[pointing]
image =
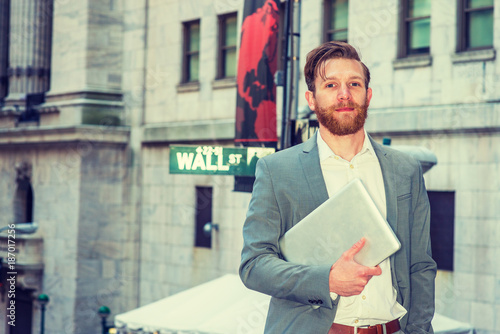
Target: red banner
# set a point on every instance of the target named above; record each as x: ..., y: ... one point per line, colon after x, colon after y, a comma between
x: 257, y: 64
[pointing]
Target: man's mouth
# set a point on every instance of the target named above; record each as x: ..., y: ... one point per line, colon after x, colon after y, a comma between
x: 344, y: 109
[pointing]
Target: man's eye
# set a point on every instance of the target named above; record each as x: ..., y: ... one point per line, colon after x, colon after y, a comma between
x: 330, y: 85
x: 356, y: 84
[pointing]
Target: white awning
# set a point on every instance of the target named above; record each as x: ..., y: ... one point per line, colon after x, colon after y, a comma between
x: 422, y: 154
x: 222, y: 306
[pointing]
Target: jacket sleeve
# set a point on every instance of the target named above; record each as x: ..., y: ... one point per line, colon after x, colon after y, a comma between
x: 262, y: 267
x: 422, y: 266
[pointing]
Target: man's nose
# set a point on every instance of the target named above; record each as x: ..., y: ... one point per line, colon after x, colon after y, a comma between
x: 344, y: 94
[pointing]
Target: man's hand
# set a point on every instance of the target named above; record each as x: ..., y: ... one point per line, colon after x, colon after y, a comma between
x: 347, y: 277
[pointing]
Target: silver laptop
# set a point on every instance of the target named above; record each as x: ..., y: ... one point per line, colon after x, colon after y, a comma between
x: 338, y: 223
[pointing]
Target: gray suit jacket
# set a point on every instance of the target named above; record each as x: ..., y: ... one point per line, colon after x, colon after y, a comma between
x: 289, y: 185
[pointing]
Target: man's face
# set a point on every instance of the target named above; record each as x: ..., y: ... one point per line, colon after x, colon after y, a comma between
x: 341, y: 99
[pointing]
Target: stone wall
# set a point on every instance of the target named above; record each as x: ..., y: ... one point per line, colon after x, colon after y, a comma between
x: 55, y: 182
x: 169, y: 260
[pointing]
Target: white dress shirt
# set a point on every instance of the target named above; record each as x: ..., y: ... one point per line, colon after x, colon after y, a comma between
x: 377, y: 303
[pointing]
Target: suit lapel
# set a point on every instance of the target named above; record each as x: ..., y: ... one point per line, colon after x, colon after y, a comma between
x: 309, y: 158
x: 388, y: 175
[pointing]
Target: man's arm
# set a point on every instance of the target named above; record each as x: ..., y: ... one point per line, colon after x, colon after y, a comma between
x: 262, y: 267
x: 422, y: 266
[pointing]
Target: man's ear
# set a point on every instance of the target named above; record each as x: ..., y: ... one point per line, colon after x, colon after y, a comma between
x: 368, y: 96
x: 311, y: 101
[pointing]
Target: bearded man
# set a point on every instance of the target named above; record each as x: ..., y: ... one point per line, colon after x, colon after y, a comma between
x: 393, y: 297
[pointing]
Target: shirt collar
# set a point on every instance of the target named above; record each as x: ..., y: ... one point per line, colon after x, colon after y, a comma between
x: 325, y: 151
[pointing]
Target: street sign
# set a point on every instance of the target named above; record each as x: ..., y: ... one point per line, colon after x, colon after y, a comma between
x: 216, y: 160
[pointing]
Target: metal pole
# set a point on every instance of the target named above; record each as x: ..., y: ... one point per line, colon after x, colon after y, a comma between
x: 42, y: 319
x: 296, y: 56
x: 284, y: 112
x: 291, y: 74
x: 103, y: 323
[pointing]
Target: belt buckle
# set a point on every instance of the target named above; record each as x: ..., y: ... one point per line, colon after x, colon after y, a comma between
x: 381, y: 328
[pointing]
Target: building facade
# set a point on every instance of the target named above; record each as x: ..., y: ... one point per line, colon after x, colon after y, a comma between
x: 94, y: 93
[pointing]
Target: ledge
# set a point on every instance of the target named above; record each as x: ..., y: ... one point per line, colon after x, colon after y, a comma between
x: 412, y: 62
x: 64, y: 135
x: 9, y: 111
x: 189, y: 131
x: 437, y: 119
x: 224, y: 83
x: 471, y: 56
x: 188, y: 87
x: 50, y: 106
x: 86, y: 93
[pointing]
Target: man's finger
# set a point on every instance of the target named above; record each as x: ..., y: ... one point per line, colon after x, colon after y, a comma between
x: 373, y: 271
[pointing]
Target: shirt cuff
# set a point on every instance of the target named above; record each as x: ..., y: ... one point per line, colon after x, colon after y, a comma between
x: 333, y: 296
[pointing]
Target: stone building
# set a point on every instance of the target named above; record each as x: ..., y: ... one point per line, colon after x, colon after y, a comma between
x: 94, y: 92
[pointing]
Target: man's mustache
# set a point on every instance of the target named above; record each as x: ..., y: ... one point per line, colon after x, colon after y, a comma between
x: 348, y: 104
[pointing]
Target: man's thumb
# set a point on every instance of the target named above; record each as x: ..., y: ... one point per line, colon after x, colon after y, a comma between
x: 356, y: 247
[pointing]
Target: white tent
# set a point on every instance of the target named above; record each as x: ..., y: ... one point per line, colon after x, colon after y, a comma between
x: 444, y: 325
x: 222, y: 306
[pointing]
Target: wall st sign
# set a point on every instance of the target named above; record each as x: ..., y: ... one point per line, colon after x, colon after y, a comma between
x: 216, y: 160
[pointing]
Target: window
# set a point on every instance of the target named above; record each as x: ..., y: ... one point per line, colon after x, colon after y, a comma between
x: 442, y: 227
x: 228, y: 35
x: 203, y: 216
x: 336, y: 19
x: 191, y: 52
x: 23, y: 203
x: 415, y: 32
x: 475, y: 25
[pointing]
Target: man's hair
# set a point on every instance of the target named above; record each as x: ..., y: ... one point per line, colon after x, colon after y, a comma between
x: 316, y: 59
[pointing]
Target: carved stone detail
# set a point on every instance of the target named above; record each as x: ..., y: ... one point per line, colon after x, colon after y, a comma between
x: 24, y: 172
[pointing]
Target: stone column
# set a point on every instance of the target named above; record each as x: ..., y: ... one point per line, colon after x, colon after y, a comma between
x: 29, y: 49
x: 4, y: 46
x: 40, y: 82
x: 86, y: 72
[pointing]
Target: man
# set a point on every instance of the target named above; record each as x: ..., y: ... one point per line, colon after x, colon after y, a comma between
x: 398, y: 294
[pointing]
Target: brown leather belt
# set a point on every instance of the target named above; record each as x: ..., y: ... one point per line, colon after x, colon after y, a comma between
x: 390, y: 327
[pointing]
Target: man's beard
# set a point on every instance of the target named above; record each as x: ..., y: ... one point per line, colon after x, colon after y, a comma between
x: 343, y: 123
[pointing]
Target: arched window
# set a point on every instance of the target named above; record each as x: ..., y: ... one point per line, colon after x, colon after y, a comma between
x: 23, y: 203
x: 23, y: 198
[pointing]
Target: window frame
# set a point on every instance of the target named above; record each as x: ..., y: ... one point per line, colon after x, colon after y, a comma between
x: 222, y: 47
x: 463, y: 26
x: 327, y: 29
x: 186, y: 53
x: 403, y: 38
